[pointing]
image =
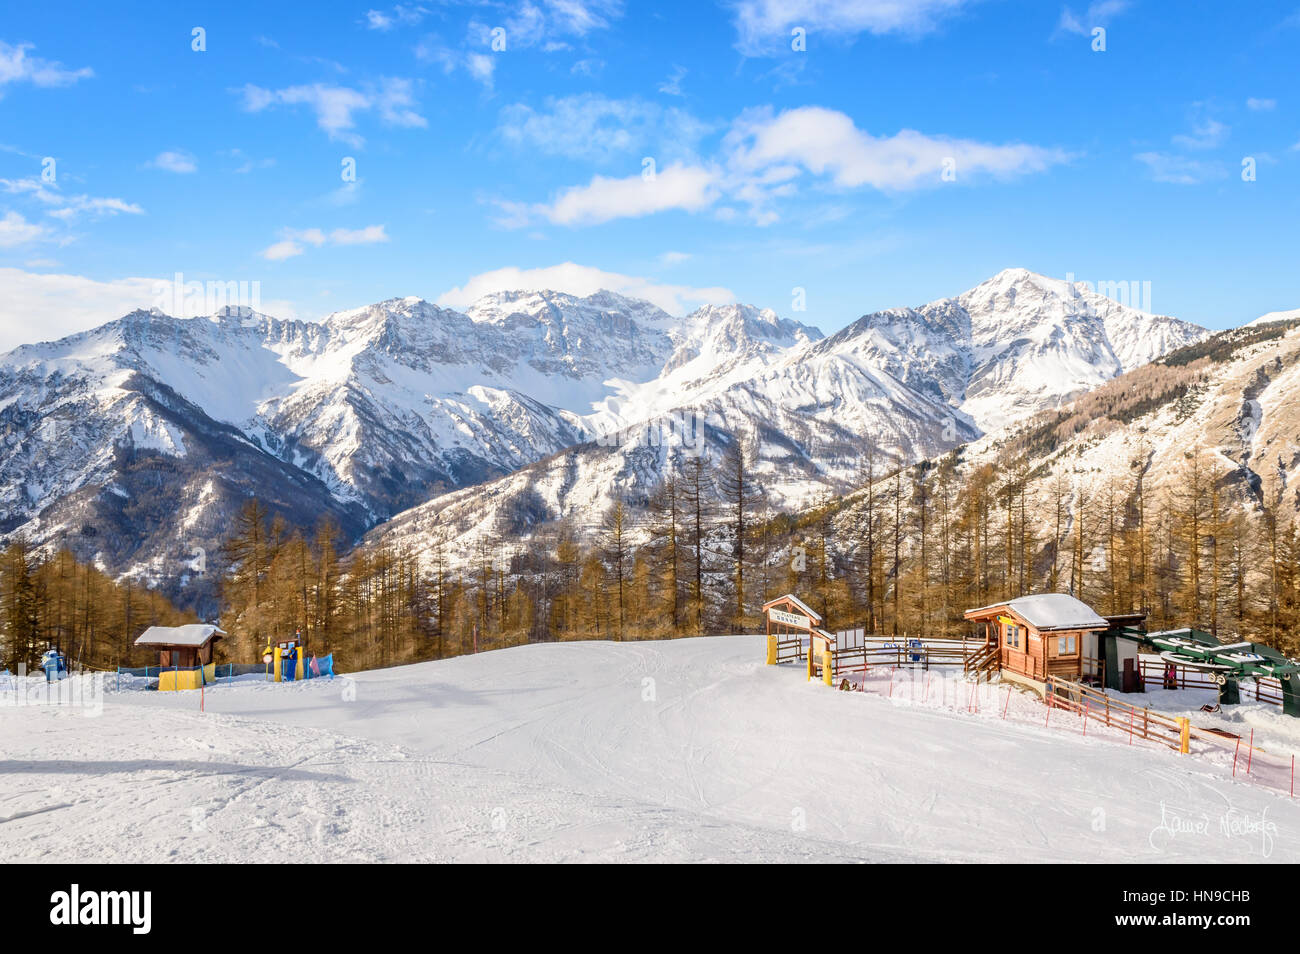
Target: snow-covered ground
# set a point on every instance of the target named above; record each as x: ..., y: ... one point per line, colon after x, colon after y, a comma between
x: 689, y: 750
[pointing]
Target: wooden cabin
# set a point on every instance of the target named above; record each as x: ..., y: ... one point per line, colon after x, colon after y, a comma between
x: 182, y: 647
x: 1040, y: 635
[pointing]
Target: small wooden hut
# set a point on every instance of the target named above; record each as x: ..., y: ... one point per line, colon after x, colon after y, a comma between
x: 1039, y: 635
x: 182, y: 647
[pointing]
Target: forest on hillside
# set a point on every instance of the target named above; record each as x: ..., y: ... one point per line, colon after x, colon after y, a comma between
x: 904, y: 554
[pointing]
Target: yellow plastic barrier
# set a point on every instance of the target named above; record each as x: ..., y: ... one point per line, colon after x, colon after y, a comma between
x: 771, y: 649
x: 171, y: 680
x: 1184, y: 735
x: 828, y: 667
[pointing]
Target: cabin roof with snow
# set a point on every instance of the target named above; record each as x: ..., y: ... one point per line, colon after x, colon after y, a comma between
x: 1045, y: 612
x: 190, y: 636
x: 803, y: 607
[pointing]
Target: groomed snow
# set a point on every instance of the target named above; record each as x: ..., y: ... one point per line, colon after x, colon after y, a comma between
x: 689, y: 750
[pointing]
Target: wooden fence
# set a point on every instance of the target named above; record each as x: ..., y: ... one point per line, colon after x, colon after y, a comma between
x: 1138, y: 721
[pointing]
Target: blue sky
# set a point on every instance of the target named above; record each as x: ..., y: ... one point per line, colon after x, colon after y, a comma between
x: 682, y: 152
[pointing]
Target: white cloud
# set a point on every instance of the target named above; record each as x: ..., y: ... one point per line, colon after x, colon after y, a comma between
x: 1206, y: 134
x: 399, y: 15
x: 825, y: 141
x: 1261, y: 105
x: 584, y: 280
x: 674, y: 258
x: 65, y: 304
x: 67, y: 207
x: 544, y: 22
x: 672, y: 86
x: 595, y: 128
x: 174, y: 161
x: 480, y: 66
x: 46, y: 307
x: 17, y: 67
x: 1179, y: 170
x: 1098, y: 14
x: 366, y: 236
x: 763, y: 158
x: 282, y: 250
x: 763, y: 26
x: 335, y: 106
x: 292, y: 240
x: 16, y: 230
x: 689, y: 188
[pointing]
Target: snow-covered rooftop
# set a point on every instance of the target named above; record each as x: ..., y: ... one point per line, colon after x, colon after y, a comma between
x: 1045, y: 611
x: 193, y: 634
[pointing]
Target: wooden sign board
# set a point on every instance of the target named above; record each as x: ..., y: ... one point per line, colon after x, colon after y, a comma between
x: 789, y: 619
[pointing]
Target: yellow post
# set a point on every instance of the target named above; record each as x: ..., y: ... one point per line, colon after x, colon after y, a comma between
x: 771, y: 649
x: 301, y: 673
x: 1185, y: 735
x: 276, y: 663
x: 810, y: 662
x: 828, y: 667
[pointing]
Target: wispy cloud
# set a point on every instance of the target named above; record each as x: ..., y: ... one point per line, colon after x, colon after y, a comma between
x: 391, y: 98
x: 763, y: 26
x: 16, y: 66
x: 1180, y: 170
x: 1097, y: 14
x: 399, y: 15
x: 1206, y: 133
x: 595, y: 128
x: 16, y: 230
x: 174, y: 161
x: 67, y: 206
x: 672, y: 86
x: 1261, y: 105
x: 293, y: 242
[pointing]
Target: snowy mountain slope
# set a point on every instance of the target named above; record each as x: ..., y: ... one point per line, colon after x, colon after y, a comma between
x: 135, y: 477
x: 904, y: 384
x: 1033, y: 342
x: 680, y: 750
x: 1275, y: 316
x: 564, y: 402
x: 374, y: 410
x: 1233, y: 399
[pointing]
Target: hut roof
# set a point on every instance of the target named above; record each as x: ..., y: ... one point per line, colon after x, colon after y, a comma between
x: 191, y: 635
x: 1048, y: 611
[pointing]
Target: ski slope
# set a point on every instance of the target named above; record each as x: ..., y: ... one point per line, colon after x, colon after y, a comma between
x: 687, y: 750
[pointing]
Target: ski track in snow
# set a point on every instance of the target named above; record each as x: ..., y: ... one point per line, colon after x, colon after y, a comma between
x: 565, y: 752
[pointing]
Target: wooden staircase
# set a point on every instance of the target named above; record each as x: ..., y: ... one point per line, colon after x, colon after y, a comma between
x: 982, y: 663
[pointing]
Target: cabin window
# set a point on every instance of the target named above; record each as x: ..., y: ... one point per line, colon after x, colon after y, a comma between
x: 1013, y: 636
x: 1066, y: 645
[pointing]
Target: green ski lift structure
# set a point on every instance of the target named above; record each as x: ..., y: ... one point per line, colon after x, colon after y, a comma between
x: 1225, y: 663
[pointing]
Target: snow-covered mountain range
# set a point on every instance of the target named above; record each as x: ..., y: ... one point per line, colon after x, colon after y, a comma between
x: 896, y: 386
x: 134, y: 443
